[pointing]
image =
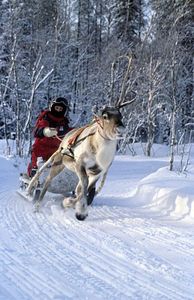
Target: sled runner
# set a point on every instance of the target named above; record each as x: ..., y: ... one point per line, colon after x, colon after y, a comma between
x: 22, y: 191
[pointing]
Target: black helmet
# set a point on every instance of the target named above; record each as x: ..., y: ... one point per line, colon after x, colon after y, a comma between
x: 60, y: 101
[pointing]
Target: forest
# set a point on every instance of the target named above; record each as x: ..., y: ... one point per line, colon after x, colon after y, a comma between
x: 95, y: 53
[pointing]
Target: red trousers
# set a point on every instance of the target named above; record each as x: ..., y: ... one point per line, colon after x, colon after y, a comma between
x: 37, y: 151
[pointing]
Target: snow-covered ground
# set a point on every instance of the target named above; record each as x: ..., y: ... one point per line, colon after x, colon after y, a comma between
x: 137, y: 242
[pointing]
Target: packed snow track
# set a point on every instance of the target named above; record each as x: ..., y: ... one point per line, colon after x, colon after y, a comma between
x: 121, y: 251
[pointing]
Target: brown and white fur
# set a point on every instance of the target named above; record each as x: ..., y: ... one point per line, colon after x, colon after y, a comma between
x: 90, y: 157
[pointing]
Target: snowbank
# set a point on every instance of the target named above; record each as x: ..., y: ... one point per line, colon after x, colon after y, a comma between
x: 168, y: 193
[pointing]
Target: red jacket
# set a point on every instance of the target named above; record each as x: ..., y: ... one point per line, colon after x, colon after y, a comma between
x: 46, y: 146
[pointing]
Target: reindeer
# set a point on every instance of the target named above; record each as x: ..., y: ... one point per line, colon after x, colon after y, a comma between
x: 88, y: 152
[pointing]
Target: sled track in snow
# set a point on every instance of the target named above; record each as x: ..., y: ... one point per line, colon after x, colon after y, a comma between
x: 54, y: 256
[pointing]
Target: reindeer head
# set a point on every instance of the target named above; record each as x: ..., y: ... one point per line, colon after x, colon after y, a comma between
x: 110, y: 121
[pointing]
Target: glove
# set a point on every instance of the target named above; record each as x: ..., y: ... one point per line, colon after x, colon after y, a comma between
x: 49, y: 132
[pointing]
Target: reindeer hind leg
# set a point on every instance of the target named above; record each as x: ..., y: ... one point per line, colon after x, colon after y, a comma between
x: 55, y: 170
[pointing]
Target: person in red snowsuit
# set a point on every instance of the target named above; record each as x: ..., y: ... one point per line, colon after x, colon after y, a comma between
x: 51, y: 123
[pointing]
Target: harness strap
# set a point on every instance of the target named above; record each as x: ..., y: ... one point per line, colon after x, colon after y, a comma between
x: 73, y: 140
x: 69, y: 148
x: 67, y: 152
x: 98, y: 122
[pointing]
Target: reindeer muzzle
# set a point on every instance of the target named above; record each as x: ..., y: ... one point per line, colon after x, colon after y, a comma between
x: 121, y: 130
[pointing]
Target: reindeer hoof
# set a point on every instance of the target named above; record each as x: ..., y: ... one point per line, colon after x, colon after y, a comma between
x: 81, y: 217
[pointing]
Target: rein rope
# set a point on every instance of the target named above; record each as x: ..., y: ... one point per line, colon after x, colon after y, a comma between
x: 73, y: 139
x: 58, y: 138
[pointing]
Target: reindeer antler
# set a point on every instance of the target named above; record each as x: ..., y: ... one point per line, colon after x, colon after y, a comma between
x: 123, y: 90
x: 120, y: 102
x: 125, y: 103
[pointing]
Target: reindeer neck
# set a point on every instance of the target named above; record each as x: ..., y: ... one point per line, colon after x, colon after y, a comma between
x: 106, y: 149
x: 102, y: 140
x: 101, y: 133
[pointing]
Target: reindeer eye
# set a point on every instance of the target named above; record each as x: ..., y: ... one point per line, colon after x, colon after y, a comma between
x: 105, y: 116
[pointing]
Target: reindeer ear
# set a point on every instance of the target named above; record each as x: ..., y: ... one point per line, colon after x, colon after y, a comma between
x: 94, y: 109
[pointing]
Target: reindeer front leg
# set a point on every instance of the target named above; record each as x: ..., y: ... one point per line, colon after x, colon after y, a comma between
x: 81, y: 192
